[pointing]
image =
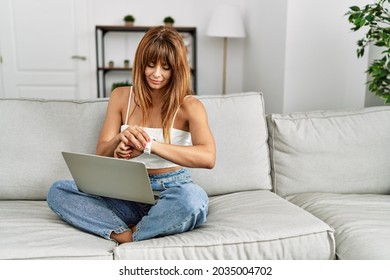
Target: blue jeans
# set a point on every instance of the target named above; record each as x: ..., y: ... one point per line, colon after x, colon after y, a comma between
x: 182, y: 206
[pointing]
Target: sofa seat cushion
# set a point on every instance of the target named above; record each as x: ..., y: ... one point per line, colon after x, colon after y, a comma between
x: 30, y: 230
x: 361, y: 222
x: 244, y: 225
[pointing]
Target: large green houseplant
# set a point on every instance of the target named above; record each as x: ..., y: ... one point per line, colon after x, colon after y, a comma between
x: 376, y: 19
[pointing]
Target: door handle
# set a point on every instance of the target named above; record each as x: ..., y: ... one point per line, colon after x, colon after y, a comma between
x: 79, y: 57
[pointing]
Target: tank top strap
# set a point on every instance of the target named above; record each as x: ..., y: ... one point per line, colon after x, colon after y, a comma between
x: 128, y: 105
x: 174, y: 116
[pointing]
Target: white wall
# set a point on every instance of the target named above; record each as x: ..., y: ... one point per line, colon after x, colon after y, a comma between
x: 1, y: 76
x: 300, y: 54
x: 265, y: 51
x: 321, y: 68
x: 1, y: 68
x: 372, y: 99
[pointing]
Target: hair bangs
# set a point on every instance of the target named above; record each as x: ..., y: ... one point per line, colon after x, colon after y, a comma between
x: 161, y: 51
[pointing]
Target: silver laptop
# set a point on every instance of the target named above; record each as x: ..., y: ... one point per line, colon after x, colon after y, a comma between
x: 110, y: 177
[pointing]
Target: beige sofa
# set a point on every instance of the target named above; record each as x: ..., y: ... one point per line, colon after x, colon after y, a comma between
x: 272, y: 194
x: 336, y: 165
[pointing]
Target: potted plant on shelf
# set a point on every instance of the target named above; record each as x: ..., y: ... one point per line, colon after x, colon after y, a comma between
x: 376, y: 18
x: 169, y: 21
x: 129, y: 20
x: 120, y: 84
x: 126, y: 63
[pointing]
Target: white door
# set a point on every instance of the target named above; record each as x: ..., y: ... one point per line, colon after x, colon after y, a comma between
x: 43, y: 50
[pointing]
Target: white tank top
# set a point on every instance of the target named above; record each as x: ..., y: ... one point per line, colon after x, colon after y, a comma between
x: 178, y: 137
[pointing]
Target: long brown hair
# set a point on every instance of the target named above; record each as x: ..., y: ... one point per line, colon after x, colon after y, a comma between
x: 165, y: 45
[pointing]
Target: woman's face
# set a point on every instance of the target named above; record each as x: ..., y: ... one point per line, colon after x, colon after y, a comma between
x: 157, y: 75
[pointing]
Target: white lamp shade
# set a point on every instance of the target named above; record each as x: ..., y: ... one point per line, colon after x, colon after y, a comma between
x: 226, y: 21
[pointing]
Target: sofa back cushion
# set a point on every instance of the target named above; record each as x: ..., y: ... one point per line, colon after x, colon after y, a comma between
x: 239, y: 128
x: 339, y: 152
x: 34, y: 132
x: 33, y: 135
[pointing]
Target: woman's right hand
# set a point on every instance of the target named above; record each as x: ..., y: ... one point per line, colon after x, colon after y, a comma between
x: 123, y: 151
x: 126, y: 152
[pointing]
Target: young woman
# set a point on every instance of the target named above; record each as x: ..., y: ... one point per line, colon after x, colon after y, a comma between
x: 158, y: 122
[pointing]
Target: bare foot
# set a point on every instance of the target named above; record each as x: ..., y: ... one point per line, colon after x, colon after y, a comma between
x: 126, y: 236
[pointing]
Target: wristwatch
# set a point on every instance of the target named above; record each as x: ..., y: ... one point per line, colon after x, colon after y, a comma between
x: 148, y: 147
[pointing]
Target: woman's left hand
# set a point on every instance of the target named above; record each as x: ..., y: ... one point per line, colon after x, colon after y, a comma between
x: 136, y: 137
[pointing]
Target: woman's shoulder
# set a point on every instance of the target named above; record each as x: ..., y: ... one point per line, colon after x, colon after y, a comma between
x: 191, y: 102
x: 120, y: 93
x: 119, y: 98
x: 192, y: 106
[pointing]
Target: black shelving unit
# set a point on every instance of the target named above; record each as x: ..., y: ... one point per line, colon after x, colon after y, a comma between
x: 103, y: 69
